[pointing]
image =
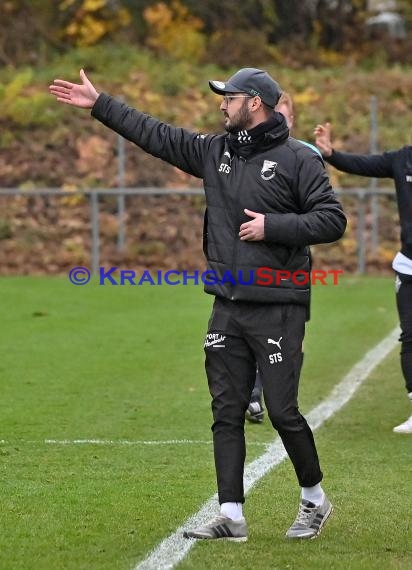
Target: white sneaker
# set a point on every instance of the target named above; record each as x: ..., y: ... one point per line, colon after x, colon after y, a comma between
x: 310, y: 519
x: 406, y: 427
x: 220, y: 527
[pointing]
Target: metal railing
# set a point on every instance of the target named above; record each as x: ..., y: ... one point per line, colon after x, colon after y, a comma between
x: 363, y: 196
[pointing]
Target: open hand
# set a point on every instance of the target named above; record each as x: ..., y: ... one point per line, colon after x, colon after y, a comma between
x: 80, y: 95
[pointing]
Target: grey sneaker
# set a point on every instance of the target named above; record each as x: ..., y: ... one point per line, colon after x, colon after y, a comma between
x: 255, y: 413
x: 220, y: 527
x: 310, y: 519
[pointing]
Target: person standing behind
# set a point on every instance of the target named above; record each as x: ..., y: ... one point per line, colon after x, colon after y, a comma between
x: 397, y: 165
x: 285, y: 106
x: 268, y: 197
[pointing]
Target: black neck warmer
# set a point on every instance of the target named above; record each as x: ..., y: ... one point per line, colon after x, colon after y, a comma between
x: 267, y: 134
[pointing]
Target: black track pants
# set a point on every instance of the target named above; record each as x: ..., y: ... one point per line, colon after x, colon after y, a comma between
x: 239, y: 335
x: 404, y: 304
x: 257, y: 392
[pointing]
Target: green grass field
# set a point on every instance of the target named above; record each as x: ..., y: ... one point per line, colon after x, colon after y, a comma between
x: 125, y: 364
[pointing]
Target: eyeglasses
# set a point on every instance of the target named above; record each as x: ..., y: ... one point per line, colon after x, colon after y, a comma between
x: 228, y: 98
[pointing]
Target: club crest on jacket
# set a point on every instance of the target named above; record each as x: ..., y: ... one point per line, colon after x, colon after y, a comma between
x: 268, y: 169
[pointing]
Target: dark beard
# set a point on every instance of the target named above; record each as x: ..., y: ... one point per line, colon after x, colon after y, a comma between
x: 241, y: 120
x: 269, y: 133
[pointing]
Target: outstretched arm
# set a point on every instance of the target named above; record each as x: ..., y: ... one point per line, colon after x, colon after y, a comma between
x: 375, y: 165
x: 182, y: 148
x: 79, y: 95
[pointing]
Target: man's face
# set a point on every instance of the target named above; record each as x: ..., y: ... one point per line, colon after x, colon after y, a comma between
x: 235, y: 109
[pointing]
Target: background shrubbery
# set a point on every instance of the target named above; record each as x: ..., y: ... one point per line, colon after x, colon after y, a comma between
x: 159, y: 57
x: 36, y: 131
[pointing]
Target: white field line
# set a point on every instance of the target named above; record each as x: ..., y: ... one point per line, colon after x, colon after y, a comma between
x: 174, y: 548
x: 121, y: 442
x: 125, y: 442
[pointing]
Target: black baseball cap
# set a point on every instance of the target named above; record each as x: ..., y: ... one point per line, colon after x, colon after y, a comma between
x: 251, y: 81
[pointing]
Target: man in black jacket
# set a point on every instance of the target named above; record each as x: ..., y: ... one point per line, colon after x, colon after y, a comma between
x: 395, y: 164
x: 268, y: 198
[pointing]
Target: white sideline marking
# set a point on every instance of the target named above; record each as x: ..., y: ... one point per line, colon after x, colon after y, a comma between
x: 124, y: 442
x: 174, y: 548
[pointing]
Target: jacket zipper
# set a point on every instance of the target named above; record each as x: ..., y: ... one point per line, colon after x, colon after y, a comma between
x: 242, y: 161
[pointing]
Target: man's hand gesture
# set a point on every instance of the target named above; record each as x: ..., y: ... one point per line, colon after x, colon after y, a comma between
x: 80, y: 95
x: 323, y: 139
x: 254, y: 230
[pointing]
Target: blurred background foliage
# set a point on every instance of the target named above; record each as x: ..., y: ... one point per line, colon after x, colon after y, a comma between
x: 158, y: 56
x: 220, y: 31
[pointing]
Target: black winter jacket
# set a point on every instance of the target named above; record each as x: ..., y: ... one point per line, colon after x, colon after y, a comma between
x: 285, y: 180
x: 394, y: 164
